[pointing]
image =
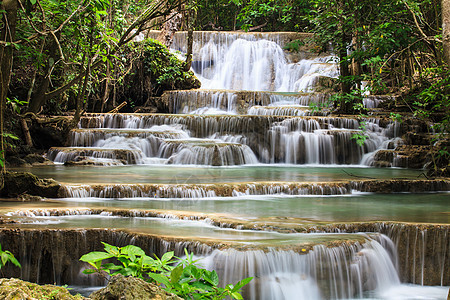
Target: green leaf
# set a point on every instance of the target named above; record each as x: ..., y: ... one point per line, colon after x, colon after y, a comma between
x: 132, y: 250
x: 5, y: 258
x: 198, y: 272
x: 33, y: 2
x: 95, y: 256
x: 89, y: 271
x: 111, y: 249
x: 160, y: 279
x: 212, y: 278
x: 242, y: 283
x: 167, y: 256
x: 147, y: 260
x: 111, y: 266
x: 202, y: 286
x: 14, y: 261
x: 176, y: 273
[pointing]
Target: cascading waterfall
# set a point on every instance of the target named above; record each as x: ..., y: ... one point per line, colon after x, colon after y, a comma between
x: 262, y: 66
x: 236, y: 140
x: 262, y: 125
x: 262, y: 109
x: 245, y: 62
x: 323, y: 273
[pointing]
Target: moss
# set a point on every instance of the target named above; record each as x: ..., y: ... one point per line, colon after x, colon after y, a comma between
x: 131, y: 288
x: 153, y: 70
x: 12, y: 289
x: 165, y: 68
x: 16, y: 183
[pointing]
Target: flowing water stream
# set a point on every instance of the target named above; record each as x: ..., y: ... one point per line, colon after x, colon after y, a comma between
x: 246, y: 174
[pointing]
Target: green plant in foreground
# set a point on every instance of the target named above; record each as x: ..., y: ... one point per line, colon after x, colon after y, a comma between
x: 7, y: 256
x: 183, y: 277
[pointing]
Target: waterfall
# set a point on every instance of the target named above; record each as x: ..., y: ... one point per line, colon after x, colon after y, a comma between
x: 260, y: 66
x: 233, y: 178
x: 323, y: 273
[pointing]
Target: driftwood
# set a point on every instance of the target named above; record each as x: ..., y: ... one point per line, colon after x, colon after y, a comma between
x: 45, y: 120
x: 255, y: 27
x: 116, y: 110
x: 26, y: 132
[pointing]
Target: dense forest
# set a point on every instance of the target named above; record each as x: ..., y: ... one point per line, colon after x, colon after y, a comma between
x: 60, y: 57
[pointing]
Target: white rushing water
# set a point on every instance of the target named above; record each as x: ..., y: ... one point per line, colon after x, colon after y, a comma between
x: 260, y: 66
x: 366, y: 271
x: 215, y: 131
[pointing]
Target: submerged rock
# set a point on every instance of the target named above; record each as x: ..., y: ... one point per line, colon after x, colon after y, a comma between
x: 12, y: 289
x: 131, y: 288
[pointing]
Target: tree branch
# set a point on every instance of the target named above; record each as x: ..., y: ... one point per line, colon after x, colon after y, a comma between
x: 416, y: 22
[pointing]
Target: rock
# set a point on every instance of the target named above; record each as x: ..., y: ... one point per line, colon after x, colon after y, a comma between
x: 36, y: 159
x: 130, y: 288
x: 383, y: 158
x: 17, y: 183
x: 327, y: 84
x: 16, y: 289
x: 28, y: 198
x: 15, y: 161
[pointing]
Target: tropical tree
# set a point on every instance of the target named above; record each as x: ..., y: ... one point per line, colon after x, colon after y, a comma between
x: 61, y: 46
x: 446, y: 30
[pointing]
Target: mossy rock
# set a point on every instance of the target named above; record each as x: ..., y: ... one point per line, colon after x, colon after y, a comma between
x: 17, y: 183
x: 153, y: 70
x: 16, y: 289
x: 131, y: 288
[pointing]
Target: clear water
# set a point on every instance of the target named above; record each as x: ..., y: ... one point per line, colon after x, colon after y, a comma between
x: 200, y: 174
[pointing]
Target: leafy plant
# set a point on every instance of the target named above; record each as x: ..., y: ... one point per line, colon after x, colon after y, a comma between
x: 360, y: 137
x: 294, y: 46
x: 6, y: 257
x: 4, y: 136
x: 16, y: 104
x: 433, y: 103
x: 320, y: 106
x: 396, y: 117
x: 374, y: 77
x: 183, y: 277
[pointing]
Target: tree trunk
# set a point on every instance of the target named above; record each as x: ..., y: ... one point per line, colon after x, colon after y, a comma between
x: 190, y: 41
x: 7, y: 34
x: 446, y: 30
x: 39, y: 98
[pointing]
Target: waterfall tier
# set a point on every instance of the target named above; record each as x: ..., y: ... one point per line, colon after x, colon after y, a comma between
x: 195, y: 191
x: 223, y: 140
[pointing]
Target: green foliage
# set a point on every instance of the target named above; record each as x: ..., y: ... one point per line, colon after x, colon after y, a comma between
x: 152, y: 70
x: 360, y: 137
x: 6, y: 257
x: 16, y: 104
x: 396, y: 117
x: 183, y: 277
x: 320, y: 106
x: 273, y: 15
x: 294, y: 46
x: 433, y: 103
x: 349, y: 102
x: 6, y: 137
x: 375, y: 67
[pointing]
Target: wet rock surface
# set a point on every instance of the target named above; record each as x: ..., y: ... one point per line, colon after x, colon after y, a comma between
x: 17, y: 183
x: 130, y: 288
